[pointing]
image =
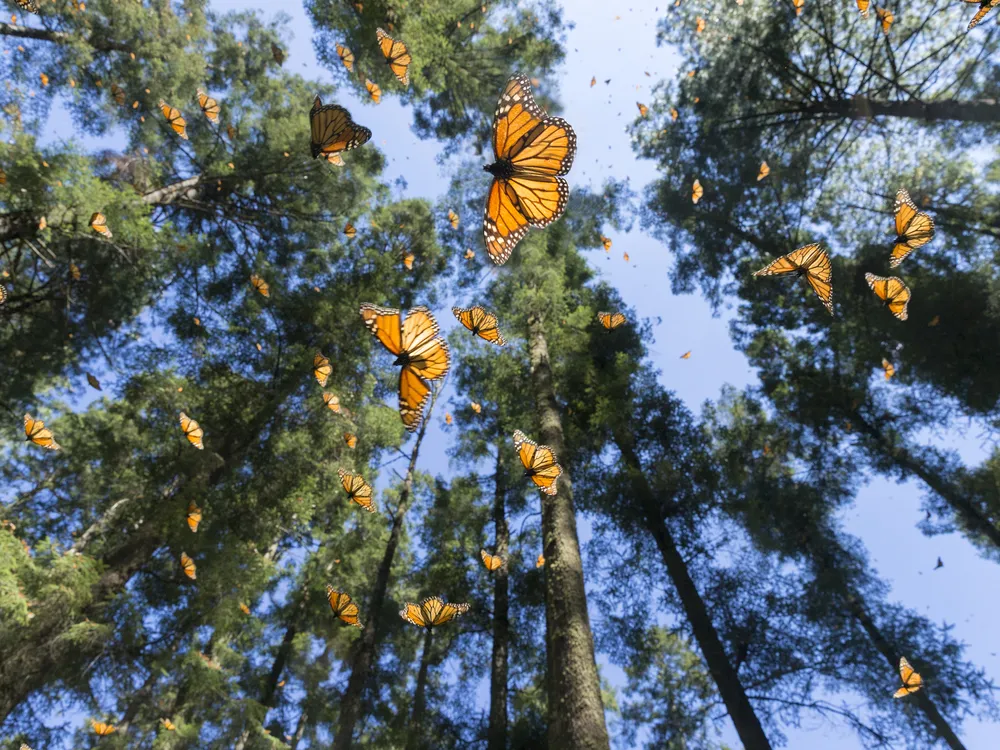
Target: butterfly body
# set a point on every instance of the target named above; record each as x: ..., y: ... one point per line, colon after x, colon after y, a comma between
x: 333, y: 130
x: 892, y: 291
x: 540, y: 463
x: 811, y: 262
x: 480, y: 322
x: 914, y: 228
x: 431, y: 612
x: 912, y: 681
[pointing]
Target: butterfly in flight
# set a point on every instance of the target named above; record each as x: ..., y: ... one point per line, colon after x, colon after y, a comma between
x: 611, y: 320
x: 260, y: 285
x: 36, y: 432
x: 481, y: 322
x: 209, y: 107
x: 374, y: 90
x: 696, y: 191
x: 350, y: 231
x: 431, y: 612
x: 863, y: 6
x: 94, y: 382
x: 492, y: 562
x: 912, y: 682
x: 188, y: 566
x: 357, y: 489
x: 193, y: 516
x: 532, y: 151
x: 333, y: 130
x: 914, y: 228
x: 540, y: 562
x: 453, y: 218
x: 343, y: 607
x: 539, y: 461
x: 192, y: 431
x: 28, y: 5
x: 346, y: 57
x: 99, y: 223
x: 763, y: 172
x: 102, y: 729
x: 174, y: 119
x: 886, y: 18
x: 699, y: 25
x: 278, y: 54
x: 643, y: 109
x: 892, y: 291
x: 889, y: 369
x: 606, y: 241
x: 809, y: 261
x: 351, y: 439
x: 244, y: 608
x: 396, y: 55
x: 419, y: 350
x: 322, y: 369
x: 985, y: 6
x: 332, y: 402
x: 168, y: 725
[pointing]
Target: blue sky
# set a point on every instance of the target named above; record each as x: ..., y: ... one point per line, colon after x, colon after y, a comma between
x: 886, y: 513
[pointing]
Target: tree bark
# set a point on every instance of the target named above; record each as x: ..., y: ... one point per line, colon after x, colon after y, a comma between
x: 726, y: 677
x: 365, y: 646
x: 415, y: 739
x: 575, y: 709
x: 861, y: 107
x: 60, y: 37
x: 497, y: 733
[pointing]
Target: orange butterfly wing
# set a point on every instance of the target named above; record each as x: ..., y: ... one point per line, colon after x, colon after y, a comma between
x: 188, y: 566
x: 174, y: 119
x: 396, y: 54
x: 343, y: 607
x: 36, y: 432
x: 192, y: 431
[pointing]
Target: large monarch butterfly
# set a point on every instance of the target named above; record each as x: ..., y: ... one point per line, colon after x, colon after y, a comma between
x: 863, y: 7
x: 260, y: 285
x: 188, y: 566
x: 798, y: 5
x: 532, y: 151
x: 431, y: 612
x: 809, y: 261
x: 332, y: 402
x: 333, y: 130
x: 346, y: 57
x: 192, y: 431
x: 540, y: 462
x: 357, y: 489
x: 763, y: 172
x: 36, y: 432
x: 914, y: 228
x: 209, y: 107
x: 193, y: 516
x: 893, y: 293
x: 343, y: 607
x: 912, y: 682
x: 886, y: 18
x: 696, y: 191
x: 492, y: 562
x: 889, y: 369
x: 374, y: 90
x: 174, y: 119
x: 985, y: 6
x: 396, y: 55
x: 422, y: 353
x: 168, y: 725
x: 481, y: 322
x: 28, y: 5
x: 322, y: 369
x: 611, y: 320
x: 99, y: 223
x: 101, y: 729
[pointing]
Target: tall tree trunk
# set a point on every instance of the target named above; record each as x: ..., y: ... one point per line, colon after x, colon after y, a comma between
x: 497, y: 735
x: 985, y: 110
x: 575, y: 709
x: 725, y: 675
x: 365, y: 646
x: 416, y: 736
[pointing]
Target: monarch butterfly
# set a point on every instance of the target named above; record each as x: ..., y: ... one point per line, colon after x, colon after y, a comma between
x: 260, y: 285
x: 118, y: 93
x: 408, y: 259
x: 209, y: 107
x: 674, y: 114
x: 94, y: 382
x: 351, y: 439
x: 611, y: 320
x: 101, y: 729
x: 606, y: 241
x: 912, y: 682
x: 174, y: 119
x: 625, y: 256
x: 532, y: 152
x: 540, y: 462
x: 763, y: 172
x: 244, y: 608
x: 44, y: 79
x: 193, y: 516
x: 99, y: 223
x: 431, y: 612
x: 322, y: 369
x: 374, y: 91
x: 192, y: 431
x: 332, y: 402
x: 985, y: 6
x: 333, y: 130
x: 168, y: 725
x: 209, y: 661
x: 278, y: 54
x: 481, y: 323
x: 453, y: 218
x: 447, y: 418
x: 335, y: 159
x: 886, y: 18
x: 343, y: 607
x: 699, y: 25
x: 892, y: 291
x: 74, y: 271
x: 188, y: 566
x: 42, y: 223
x: 478, y: 408
x: 696, y: 192
x: 350, y: 231
x: 469, y: 253
x: 396, y: 55
x: 913, y: 228
x: 798, y: 5
x: 28, y: 5
x: 540, y: 562
x: 643, y: 109
x: 357, y: 489
x: 593, y: 81
x: 346, y: 57
x: 934, y: 321
x: 422, y: 353
x: 809, y: 261
x: 492, y: 562
x: 889, y: 369
x: 36, y: 432
x: 863, y: 7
